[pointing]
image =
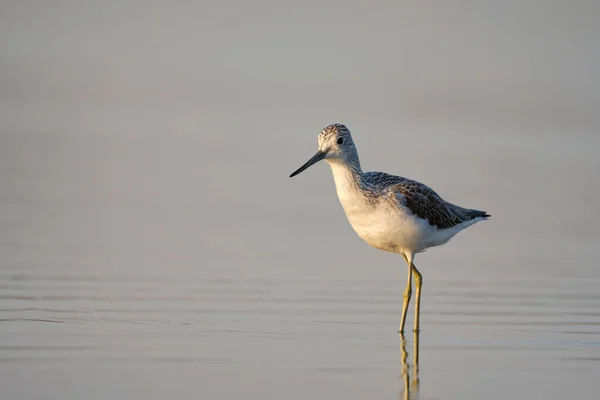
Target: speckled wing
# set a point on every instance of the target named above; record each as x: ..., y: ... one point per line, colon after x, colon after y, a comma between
x: 425, y: 203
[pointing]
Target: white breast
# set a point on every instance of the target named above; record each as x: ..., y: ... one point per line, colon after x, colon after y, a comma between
x: 375, y: 221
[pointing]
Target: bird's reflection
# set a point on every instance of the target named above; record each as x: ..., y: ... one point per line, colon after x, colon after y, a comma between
x: 410, y: 378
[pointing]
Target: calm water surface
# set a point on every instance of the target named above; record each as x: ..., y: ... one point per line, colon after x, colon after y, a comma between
x: 144, y: 268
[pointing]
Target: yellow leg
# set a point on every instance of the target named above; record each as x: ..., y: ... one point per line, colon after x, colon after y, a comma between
x: 407, y: 294
x: 418, y: 283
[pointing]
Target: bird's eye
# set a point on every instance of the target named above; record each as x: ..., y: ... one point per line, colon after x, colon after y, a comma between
x: 340, y: 140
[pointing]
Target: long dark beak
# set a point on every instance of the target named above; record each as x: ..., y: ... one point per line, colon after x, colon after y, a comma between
x: 315, y: 159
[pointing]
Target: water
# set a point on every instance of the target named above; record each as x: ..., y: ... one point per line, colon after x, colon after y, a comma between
x: 273, y: 338
x: 132, y: 269
x: 152, y: 245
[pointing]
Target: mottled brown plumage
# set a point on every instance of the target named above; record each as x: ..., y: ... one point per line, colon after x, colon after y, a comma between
x: 422, y: 201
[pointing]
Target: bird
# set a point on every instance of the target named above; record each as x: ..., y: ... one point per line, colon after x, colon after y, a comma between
x: 389, y: 212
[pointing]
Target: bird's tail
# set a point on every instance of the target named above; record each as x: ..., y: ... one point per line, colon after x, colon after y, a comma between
x: 482, y: 214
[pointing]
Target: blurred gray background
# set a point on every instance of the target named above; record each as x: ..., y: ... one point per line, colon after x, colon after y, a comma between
x: 152, y: 244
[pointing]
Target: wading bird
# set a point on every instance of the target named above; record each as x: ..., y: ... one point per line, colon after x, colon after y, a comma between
x: 389, y: 212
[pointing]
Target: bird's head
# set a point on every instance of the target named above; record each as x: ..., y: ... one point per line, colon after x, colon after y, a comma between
x: 335, y: 146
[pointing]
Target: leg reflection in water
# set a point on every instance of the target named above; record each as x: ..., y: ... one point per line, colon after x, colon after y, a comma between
x: 411, y: 388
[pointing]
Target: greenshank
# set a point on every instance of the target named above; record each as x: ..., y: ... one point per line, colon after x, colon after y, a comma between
x: 389, y: 212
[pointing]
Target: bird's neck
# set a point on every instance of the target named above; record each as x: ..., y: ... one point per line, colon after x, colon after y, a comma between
x: 347, y: 177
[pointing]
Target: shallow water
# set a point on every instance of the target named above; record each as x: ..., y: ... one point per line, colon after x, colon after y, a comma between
x: 152, y: 245
x: 131, y: 269
x: 103, y: 336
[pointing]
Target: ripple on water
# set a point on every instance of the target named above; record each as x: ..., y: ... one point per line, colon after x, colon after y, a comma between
x: 228, y: 304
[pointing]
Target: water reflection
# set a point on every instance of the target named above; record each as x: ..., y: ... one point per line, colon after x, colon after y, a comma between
x: 411, y: 387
